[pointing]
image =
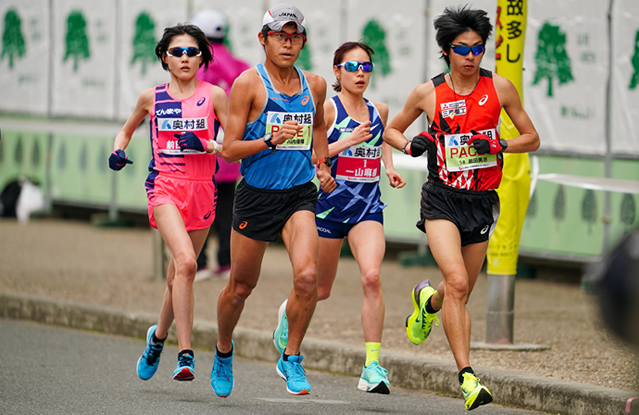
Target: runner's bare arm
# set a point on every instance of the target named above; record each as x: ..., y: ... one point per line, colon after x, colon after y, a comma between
x: 221, y: 108
x: 143, y: 107
x: 511, y: 102
x: 420, y: 100
x: 243, y: 98
x: 395, y: 179
x: 317, y: 85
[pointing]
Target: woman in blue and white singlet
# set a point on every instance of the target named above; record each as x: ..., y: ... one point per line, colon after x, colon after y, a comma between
x: 355, y: 127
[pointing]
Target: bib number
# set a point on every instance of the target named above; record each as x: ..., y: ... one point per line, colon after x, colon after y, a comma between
x: 359, y: 164
x: 460, y: 156
x: 303, y: 139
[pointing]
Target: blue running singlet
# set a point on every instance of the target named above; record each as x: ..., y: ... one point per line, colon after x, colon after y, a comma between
x: 291, y: 165
x: 356, y: 170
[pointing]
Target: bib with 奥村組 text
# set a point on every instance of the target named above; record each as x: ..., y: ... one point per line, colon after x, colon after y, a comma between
x: 303, y: 139
x: 179, y: 125
x: 359, y: 164
x: 461, y: 156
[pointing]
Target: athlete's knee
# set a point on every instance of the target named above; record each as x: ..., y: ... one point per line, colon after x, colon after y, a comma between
x: 457, y: 288
x: 305, y: 282
x: 371, y: 282
x: 241, y: 291
x: 185, y: 266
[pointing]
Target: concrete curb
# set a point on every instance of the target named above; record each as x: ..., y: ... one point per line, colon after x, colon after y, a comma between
x: 516, y: 389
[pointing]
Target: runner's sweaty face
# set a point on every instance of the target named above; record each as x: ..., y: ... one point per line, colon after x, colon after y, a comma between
x: 353, y: 82
x: 469, y: 63
x: 183, y: 66
x: 282, y: 54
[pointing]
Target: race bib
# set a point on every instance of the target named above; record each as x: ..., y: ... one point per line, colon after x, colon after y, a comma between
x: 304, y: 137
x: 168, y: 143
x: 460, y: 156
x: 359, y: 164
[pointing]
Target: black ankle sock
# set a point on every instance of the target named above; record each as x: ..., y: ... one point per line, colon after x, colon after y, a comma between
x: 467, y: 369
x: 286, y: 356
x: 155, y: 340
x: 220, y: 354
x: 429, y: 306
x: 186, y: 351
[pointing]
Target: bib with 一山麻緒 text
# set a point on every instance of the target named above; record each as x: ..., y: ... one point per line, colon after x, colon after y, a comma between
x: 359, y: 164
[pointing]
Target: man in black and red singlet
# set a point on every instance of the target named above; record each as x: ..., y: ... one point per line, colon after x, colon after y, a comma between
x: 459, y: 205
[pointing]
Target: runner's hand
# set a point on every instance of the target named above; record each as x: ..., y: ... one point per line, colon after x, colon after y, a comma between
x: 361, y: 133
x: 420, y: 143
x: 484, y: 144
x: 395, y: 179
x: 287, y: 131
x: 191, y: 141
x: 327, y: 182
x: 117, y: 160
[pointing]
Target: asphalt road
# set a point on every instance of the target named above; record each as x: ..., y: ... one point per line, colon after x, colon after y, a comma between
x: 53, y: 370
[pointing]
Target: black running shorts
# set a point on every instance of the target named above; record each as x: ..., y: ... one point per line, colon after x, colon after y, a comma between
x: 475, y: 213
x: 260, y: 214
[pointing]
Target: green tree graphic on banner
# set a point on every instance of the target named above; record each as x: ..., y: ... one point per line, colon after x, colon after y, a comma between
x: 552, y: 59
x: 374, y: 36
x: 628, y: 210
x: 144, y: 41
x: 589, y: 209
x: 634, y: 81
x: 77, y: 42
x: 12, y: 39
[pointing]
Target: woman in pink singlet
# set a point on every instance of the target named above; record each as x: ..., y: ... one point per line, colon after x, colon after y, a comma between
x: 185, y: 115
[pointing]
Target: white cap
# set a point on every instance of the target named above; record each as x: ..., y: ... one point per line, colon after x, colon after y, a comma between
x: 211, y: 22
x: 280, y: 15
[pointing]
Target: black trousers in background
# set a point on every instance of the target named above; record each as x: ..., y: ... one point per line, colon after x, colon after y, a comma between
x: 221, y: 226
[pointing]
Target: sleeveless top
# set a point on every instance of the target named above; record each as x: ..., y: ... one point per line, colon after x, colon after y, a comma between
x: 455, y: 164
x: 291, y: 165
x: 356, y: 170
x: 174, y: 116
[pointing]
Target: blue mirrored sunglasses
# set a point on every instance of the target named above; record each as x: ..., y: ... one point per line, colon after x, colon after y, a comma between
x: 179, y: 51
x: 463, y: 50
x: 354, y: 66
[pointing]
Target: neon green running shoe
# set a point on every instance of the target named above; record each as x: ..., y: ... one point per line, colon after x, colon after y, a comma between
x: 420, y: 323
x: 474, y: 393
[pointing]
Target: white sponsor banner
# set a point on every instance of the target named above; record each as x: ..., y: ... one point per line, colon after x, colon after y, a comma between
x: 24, y: 80
x: 566, y: 67
x: 83, y: 61
x: 625, y: 78
x: 141, y: 25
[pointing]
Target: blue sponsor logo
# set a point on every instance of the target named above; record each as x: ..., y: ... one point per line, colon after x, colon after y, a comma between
x: 453, y: 142
x: 201, y: 101
x: 168, y: 109
x: 208, y: 215
x: 275, y: 119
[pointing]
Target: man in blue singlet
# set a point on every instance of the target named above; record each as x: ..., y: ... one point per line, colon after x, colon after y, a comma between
x: 276, y: 121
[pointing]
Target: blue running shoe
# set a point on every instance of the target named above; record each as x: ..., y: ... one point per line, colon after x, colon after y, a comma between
x: 280, y: 335
x: 222, y: 375
x: 374, y: 379
x: 294, y: 375
x: 185, y: 368
x: 150, y: 359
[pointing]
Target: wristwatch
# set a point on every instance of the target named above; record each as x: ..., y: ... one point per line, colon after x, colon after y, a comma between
x: 504, y: 144
x: 325, y: 160
x: 267, y: 140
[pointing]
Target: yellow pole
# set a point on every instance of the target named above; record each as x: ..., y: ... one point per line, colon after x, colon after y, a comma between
x: 514, y: 190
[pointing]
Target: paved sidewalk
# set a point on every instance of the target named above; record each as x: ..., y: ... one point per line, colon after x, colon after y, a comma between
x: 72, y: 274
